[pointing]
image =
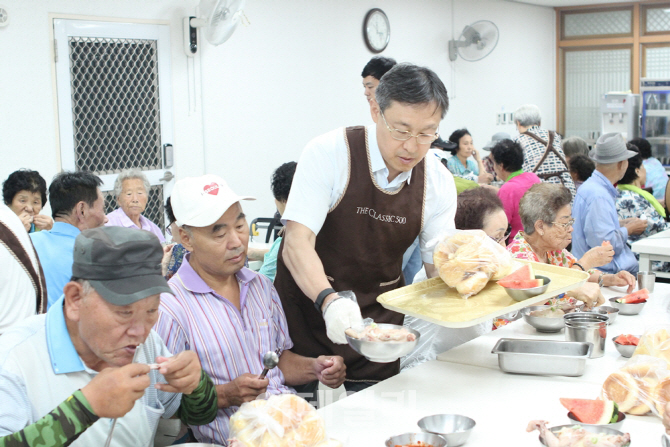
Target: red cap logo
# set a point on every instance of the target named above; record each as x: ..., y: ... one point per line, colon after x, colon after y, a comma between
x: 212, y: 189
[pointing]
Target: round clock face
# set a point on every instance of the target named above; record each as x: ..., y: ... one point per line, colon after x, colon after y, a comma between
x: 376, y: 30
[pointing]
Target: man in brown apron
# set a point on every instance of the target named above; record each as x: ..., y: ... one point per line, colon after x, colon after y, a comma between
x: 359, y: 198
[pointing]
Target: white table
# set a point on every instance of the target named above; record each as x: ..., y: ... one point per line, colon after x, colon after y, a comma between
x: 467, y: 380
x: 653, y: 248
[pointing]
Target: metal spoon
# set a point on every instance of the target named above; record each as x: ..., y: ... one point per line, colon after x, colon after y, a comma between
x: 270, y: 360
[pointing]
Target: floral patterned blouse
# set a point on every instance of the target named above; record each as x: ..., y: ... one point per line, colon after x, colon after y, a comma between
x: 521, y: 249
x: 631, y: 204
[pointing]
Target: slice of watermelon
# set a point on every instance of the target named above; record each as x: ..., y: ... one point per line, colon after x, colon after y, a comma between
x: 626, y: 339
x: 589, y: 411
x: 520, y: 284
x: 525, y: 273
x: 631, y: 300
x: 641, y: 294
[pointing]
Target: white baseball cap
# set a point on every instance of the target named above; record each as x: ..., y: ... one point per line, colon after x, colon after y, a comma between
x: 201, y: 201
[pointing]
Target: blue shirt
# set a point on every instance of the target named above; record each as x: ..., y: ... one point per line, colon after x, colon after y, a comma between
x: 55, y: 249
x: 657, y: 178
x: 596, y: 220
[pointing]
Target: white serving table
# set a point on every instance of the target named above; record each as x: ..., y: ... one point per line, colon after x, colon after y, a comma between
x: 467, y: 380
x: 653, y: 248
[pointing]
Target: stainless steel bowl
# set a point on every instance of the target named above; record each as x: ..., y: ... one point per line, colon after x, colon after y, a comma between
x: 597, y: 429
x: 412, y: 438
x: 616, y: 426
x: 455, y: 428
x: 627, y: 309
x: 611, y: 312
x: 625, y: 350
x: 524, y: 294
x: 587, y: 327
x: 542, y: 324
x: 384, y: 351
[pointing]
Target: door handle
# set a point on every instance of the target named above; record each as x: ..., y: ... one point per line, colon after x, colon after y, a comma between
x: 168, y: 176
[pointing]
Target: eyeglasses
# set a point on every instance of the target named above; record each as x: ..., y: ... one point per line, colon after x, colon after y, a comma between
x: 565, y: 225
x: 505, y: 237
x: 403, y: 135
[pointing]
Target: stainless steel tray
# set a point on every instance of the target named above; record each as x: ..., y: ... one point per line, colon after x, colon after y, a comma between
x: 542, y: 357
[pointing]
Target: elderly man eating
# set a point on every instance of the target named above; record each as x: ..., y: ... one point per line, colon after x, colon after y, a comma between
x: 93, y: 356
x: 229, y: 315
x: 596, y: 218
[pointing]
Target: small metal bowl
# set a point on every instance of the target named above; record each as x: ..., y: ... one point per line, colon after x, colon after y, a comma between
x: 627, y: 309
x: 625, y: 350
x: 455, y: 428
x: 616, y: 426
x: 524, y: 294
x: 596, y: 429
x: 384, y: 351
x: 412, y: 438
x: 611, y: 312
x: 542, y: 324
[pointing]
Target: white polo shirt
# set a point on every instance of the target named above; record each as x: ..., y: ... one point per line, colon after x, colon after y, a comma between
x: 40, y: 368
x: 321, y: 177
x: 17, y: 294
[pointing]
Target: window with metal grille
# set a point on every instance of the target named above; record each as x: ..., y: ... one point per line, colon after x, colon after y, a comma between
x: 115, y: 104
x: 154, y: 210
x: 116, y: 110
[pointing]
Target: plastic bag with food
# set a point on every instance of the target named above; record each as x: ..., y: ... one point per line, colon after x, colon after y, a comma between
x: 283, y: 420
x: 640, y: 386
x: 655, y: 342
x: 468, y: 259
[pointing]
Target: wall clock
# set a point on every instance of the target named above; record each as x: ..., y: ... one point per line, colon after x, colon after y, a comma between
x: 376, y: 30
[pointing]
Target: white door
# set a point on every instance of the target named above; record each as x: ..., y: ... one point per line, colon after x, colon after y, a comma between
x: 114, y: 104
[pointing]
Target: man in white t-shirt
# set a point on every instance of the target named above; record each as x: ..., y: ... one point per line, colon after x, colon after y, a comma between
x: 359, y: 198
x: 23, y: 289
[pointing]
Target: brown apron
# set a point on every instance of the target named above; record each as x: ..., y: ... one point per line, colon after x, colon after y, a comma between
x: 361, y: 245
x: 550, y: 148
x: 9, y: 240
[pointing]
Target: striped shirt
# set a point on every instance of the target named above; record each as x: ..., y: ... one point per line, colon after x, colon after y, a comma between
x: 228, y: 342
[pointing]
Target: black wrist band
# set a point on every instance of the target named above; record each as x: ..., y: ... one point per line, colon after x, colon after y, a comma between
x: 579, y: 265
x: 322, y: 296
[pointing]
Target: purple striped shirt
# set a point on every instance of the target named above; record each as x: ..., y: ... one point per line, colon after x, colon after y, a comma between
x: 228, y: 342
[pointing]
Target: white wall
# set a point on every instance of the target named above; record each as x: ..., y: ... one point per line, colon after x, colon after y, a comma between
x: 294, y: 73
x: 28, y: 133
x: 291, y: 75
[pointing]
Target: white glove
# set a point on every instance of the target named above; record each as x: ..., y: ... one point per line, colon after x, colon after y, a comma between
x: 340, y: 316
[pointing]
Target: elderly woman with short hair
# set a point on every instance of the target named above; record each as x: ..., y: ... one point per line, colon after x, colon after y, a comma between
x: 542, y: 149
x: 547, y: 231
x: 131, y: 190
x: 25, y: 193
